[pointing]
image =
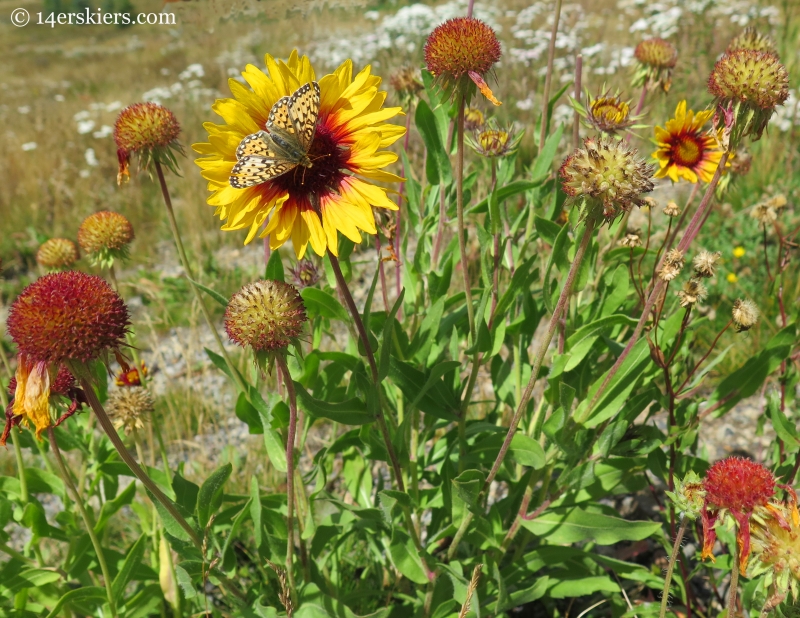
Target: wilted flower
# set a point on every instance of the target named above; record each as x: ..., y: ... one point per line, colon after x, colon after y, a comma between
x: 150, y: 131
x: 608, y: 175
x: 266, y: 316
x: 751, y: 38
x: 656, y: 59
x: 459, y: 52
x: 764, y: 214
x: 745, y: 314
x: 692, y: 292
x: 672, y: 209
x: 631, y: 240
x: 737, y: 487
x: 672, y: 265
x: 609, y: 114
x: 66, y: 317
x: 684, y: 149
x: 407, y: 83
x: 473, y: 119
x: 105, y: 236
x: 748, y: 86
x: 57, y: 253
x: 705, y: 263
x: 776, y: 548
x: 129, y: 408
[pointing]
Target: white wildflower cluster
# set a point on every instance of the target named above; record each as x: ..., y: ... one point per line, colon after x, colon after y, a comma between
x: 189, y: 86
x: 787, y: 115
x: 91, y: 120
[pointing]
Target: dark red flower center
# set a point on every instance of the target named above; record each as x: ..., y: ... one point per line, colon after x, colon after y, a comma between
x: 687, y: 150
x: 328, y: 160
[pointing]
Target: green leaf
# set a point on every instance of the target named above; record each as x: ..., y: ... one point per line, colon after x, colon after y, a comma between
x: 79, y: 595
x: 171, y: 525
x: 110, y: 507
x: 274, y: 270
x: 213, y: 294
x: 527, y: 451
x: 544, y: 161
x: 43, y: 482
x: 405, y: 557
x: 565, y: 526
x: 350, y: 412
x: 557, y: 255
x: 185, y: 492
x: 132, y: 560
x: 320, y: 303
x: 255, y: 509
x: 435, y: 399
x: 468, y: 486
x: 210, y: 497
x: 386, y: 342
x: 548, y: 230
x: 438, y: 169
x: 505, y: 192
x: 784, y: 428
x: 578, y: 586
x: 581, y: 341
x: 185, y: 582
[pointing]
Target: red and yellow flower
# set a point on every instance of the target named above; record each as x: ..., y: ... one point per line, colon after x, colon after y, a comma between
x: 338, y: 192
x: 684, y: 149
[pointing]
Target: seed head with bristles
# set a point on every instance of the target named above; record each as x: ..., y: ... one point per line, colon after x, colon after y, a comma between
x: 150, y: 131
x: 57, y: 253
x: 105, y: 236
x: 129, y: 408
x: 705, y: 263
x: 692, y: 292
x: 672, y: 265
x: 656, y: 58
x: 745, y: 314
x: 751, y: 38
x: 407, y: 84
x: 672, y: 209
x: 608, y: 175
x: 631, y: 240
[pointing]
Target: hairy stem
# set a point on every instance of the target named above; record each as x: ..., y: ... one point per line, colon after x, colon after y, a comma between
x: 76, y: 498
x: 676, y: 548
x: 290, y: 440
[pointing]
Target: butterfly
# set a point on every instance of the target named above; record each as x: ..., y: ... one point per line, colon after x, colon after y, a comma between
x: 291, y: 126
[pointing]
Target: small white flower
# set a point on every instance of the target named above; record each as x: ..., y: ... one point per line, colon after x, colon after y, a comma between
x: 24, y: 109
x: 59, y: 98
x: 91, y: 158
x: 29, y: 146
x: 84, y: 126
x: 104, y: 131
x: 84, y: 173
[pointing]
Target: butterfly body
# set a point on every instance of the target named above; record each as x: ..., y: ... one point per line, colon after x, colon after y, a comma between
x: 284, y: 145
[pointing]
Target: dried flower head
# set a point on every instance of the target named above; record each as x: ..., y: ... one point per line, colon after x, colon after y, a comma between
x: 131, y: 376
x: 266, y: 316
x: 631, y: 240
x: 672, y: 265
x: 656, y: 59
x: 751, y: 38
x: 407, y: 82
x: 692, y: 292
x: 57, y: 253
x: 105, y: 236
x: 305, y: 274
x: 778, y: 202
x: 608, y: 174
x: 764, y: 214
x: 608, y: 113
x: 129, y: 408
x: 737, y: 487
x: 672, y: 209
x: 776, y: 549
x: 473, y: 119
x: 150, y: 131
x: 459, y: 52
x: 705, y: 263
x: 748, y: 85
x: 648, y: 203
x: 67, y: 316
x: 745, y: 314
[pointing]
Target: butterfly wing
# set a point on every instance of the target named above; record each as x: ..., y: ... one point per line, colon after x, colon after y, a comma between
x: 257, y: 144
x: 253, y: 170
x: 303, y: 111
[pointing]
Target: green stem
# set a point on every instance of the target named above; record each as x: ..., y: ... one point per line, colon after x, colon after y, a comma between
x: 676, y: 548
x: 290, y: 440
x: 15, y: 554
x: 73, y: 492
x: 173, y: 224
x: 112, y: 434
x: 551, y: 52
x: 462, y: 232
x: 734, y: 582
x: 362, y: 334
x: 23, y: 483
x: 563, y: 299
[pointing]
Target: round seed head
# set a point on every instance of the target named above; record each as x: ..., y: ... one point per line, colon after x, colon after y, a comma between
x: 693, y: 292
x: 672, y: 209
x: 764, y: 213
x: 751, y: 38
x: 57, y: 253
x: 67, y: 316
x: 705, y: 263
x: 738, y: 484
x: 656, y: 53
x: 266, y: 315
x: 145, y: 129
x: 631, y: 240
x: 755, y: 78
x: 608, y: 174
x: 105, y: 230
x: 461, y: 45
x: 745, y: 314
x: 129, y: 408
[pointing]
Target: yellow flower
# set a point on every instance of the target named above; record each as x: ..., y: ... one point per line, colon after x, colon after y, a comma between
x: 739, y: 252
x: 684, y: 150
x: 732, y: 278
x: 311, y: 204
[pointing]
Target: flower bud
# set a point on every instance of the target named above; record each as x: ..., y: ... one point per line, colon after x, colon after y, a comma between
x: 148, y: 130
x: 656, y: 59
x: 105, y: 236
x: 57, y: 253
